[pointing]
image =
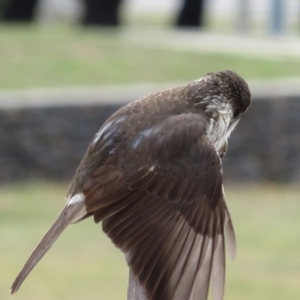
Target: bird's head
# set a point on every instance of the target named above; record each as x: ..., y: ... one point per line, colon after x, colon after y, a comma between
x: 231, y: 87
x: 222, y: 97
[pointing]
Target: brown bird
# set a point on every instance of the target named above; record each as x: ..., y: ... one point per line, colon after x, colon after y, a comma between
x: 153, y: 176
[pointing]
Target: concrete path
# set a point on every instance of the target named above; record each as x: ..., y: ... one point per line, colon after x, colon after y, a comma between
x: 272, y: 89
x: 269, y: 47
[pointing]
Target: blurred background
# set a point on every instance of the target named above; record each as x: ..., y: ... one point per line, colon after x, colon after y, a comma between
x: 66, y: 65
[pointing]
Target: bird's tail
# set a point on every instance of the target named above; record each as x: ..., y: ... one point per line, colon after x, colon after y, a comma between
x: 70, y: 213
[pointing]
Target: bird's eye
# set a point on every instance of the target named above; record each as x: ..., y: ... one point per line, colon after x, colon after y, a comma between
x: 235, y: 114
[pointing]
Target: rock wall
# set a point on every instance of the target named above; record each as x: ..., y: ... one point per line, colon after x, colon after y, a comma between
x: 266, y: 142
x: 47, y: 142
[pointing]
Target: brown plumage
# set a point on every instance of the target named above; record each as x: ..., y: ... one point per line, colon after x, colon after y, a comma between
x: 153, y: 176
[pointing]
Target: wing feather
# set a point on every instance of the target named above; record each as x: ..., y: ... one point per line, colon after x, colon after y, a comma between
x: 171, y: 220
x: 158, y: 192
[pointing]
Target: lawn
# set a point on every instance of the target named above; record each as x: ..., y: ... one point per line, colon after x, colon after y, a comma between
x: 85, y: 265
x: 58, y: 56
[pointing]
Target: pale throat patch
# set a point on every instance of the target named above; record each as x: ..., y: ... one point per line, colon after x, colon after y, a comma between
x: 219, y: 130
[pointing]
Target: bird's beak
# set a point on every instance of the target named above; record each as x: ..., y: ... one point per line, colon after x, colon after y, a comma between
x: 233, y: 123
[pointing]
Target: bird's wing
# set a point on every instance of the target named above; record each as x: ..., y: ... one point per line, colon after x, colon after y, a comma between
x: 159, y: 194
x: 161, y: 201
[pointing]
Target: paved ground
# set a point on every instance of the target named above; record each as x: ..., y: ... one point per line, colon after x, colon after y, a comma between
x: 273, y: 47
x: 260, y: 89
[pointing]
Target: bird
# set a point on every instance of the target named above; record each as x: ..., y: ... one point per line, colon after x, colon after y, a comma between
x: 152, y: 175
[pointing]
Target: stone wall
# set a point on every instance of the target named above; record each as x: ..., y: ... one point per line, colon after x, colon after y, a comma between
x: 47, y: 141
x: 266, y: 143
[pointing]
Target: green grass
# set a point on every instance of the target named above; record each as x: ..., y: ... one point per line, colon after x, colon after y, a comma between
x: 57, y: 56
x: 84, y: 264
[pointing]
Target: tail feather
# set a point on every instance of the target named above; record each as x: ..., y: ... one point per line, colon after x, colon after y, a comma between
x: 70, y: 213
